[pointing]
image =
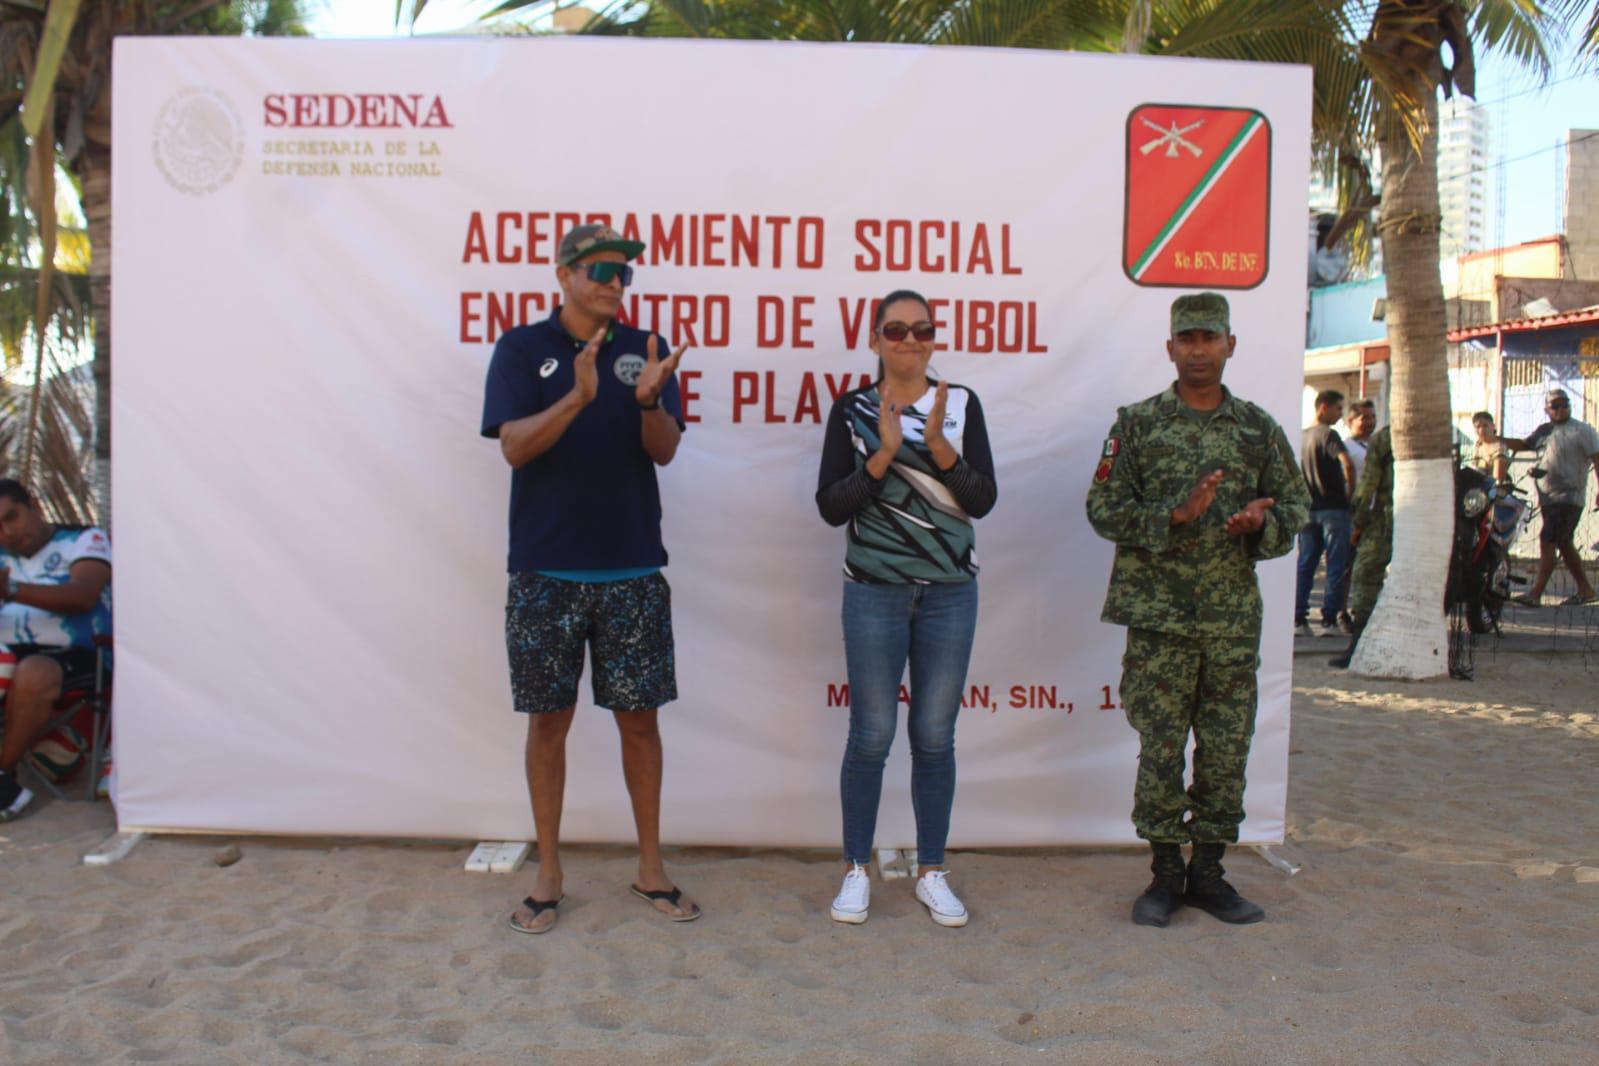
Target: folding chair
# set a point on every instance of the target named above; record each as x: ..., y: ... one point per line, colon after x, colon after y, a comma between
x: 73, y: 704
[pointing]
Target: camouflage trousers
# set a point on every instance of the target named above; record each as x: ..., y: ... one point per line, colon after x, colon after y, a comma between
x: 1173, y: 685
x: 1376, y: 547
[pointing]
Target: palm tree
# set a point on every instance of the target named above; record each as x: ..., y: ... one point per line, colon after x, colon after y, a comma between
x: 1405, y: 52
x: 46, y: 402
x: 55, y: 64
x: 45, y: 409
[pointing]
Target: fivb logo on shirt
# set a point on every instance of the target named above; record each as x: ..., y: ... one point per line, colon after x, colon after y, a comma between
x: 1198, y: 196
x: 628, y: 368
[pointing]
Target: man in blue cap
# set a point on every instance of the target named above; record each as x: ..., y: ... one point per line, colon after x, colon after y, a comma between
x: 585, y: 408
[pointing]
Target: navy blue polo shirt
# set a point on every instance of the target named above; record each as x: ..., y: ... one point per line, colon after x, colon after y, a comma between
x: 591, y: 502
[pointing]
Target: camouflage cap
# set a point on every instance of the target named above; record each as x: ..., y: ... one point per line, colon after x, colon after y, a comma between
x: 586, y: 240
x: 1200, y: 310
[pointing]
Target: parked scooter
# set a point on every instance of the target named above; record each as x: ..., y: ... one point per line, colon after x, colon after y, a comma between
x: 1486, y: 516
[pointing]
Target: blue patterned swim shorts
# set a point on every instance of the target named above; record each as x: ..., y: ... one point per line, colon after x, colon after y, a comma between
x: 627, y: 626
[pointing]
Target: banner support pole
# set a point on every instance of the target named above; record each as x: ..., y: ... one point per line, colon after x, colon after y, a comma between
x: 1285, y: 865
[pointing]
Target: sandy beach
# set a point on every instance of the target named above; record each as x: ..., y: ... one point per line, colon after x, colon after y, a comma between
x: 1445, y: 912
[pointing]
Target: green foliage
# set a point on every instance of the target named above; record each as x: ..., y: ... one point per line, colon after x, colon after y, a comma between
x: 1585, y: 12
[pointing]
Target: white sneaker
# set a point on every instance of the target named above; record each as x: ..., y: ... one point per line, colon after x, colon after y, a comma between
x: 940, y: 900
x: 1303, y: 630
x: 853, y: 896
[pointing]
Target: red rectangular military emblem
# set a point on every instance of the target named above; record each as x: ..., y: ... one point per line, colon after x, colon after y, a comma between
x: 1198, y: 196
x: 1107, y: 460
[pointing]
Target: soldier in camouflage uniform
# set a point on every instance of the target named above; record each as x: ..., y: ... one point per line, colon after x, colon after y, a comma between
x: 1372, y: 535
x: 1194, y: 486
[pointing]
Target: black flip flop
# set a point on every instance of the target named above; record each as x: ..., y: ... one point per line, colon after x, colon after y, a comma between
x: 670, y: 897
x: 538, y: 907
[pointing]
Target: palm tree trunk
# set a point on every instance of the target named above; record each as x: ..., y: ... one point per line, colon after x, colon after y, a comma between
x: 94, y: 169
x: 1406, y: 636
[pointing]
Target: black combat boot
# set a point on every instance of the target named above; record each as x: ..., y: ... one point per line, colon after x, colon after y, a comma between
x: 1342, y: 661
x: 1210, y: 892
x: 1165, y: 892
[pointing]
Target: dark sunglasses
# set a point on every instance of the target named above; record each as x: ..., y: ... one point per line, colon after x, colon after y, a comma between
x: 898, y: 331
x: 603, y: 273
x: 1559, y: 403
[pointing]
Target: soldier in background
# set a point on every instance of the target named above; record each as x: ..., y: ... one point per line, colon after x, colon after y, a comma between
x: 1358, y: 426
x: 1372, y: 534
x: 1194, y: 486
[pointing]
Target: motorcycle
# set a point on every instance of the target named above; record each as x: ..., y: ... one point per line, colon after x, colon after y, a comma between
x: 1486, y: 517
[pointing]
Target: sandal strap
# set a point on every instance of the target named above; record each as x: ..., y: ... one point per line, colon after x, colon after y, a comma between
x: 539, y: 906
x: 671, y: 897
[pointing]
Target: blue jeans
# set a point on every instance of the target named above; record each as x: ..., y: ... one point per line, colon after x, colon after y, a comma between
x: 1326, y: 531
x: 884, y: 625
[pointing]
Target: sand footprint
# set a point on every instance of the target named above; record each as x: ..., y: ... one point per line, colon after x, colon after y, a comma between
x: 1480, y: 943
x: 788, y: 933
x: 446, y: 1031
x: 1531, y: 1009
x: 522, y: 966
x: 606, y: 1014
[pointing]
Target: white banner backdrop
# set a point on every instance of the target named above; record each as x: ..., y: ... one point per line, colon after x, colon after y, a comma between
x: 316, y: 244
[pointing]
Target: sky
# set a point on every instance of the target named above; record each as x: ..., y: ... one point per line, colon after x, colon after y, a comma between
x: 1527, y: 124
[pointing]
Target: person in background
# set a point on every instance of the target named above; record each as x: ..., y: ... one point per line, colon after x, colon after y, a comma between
x: 1359, y: 424
x: 1330, y: 473
x: 906, y: 466
x: 1567, y: 450
x: 1489, y: 454
x: 1372, y: 535
x: 55, y: 600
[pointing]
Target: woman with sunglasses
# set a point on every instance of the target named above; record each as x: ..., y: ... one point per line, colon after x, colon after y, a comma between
x: 906, y: 465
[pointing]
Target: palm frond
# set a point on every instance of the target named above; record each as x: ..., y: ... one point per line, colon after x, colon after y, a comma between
x: 1522, y: 30
x: 1073, y: 25
x: 1588, y: 37
x: 58, y: 24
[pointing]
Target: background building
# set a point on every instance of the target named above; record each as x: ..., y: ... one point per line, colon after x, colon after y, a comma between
x: 1463, y: 176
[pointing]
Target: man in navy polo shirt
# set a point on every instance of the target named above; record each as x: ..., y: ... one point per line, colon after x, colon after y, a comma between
x: 585, y: 409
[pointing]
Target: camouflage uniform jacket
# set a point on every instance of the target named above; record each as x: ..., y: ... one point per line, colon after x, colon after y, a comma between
x: 1373, y: 505
x: 1194, y: 578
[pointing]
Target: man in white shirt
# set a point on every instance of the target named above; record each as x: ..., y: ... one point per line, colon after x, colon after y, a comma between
x: 1567, y: 448
x: 1359, y: 424
x: 55, y: 601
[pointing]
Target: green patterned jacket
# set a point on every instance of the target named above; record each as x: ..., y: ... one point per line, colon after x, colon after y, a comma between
x: 1193, y: 578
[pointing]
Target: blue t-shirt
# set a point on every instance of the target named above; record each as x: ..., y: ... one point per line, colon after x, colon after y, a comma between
x: 591, y: 502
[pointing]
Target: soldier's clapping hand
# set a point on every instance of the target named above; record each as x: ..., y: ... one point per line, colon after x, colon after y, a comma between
x: 1199, y: 500
x: 1251, y: 518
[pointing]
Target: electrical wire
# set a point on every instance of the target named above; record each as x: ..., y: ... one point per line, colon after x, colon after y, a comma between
x: 1485, y: 168
x: 1535, y: 89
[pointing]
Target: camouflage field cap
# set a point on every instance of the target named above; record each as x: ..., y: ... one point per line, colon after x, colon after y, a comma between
x: 1200, y: 310
x: 586, y: 240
